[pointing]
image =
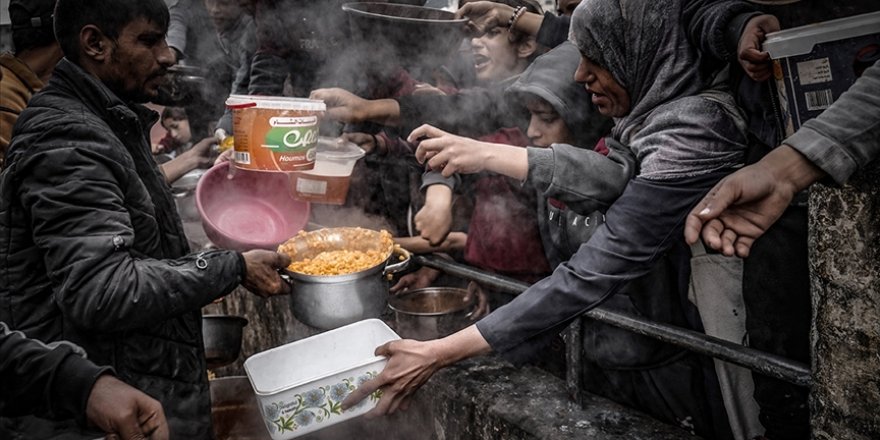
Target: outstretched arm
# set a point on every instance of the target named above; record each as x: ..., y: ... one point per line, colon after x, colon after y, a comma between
x: 452, y: 154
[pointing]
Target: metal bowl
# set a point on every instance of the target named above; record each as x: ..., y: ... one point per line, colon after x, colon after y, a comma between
x: 432, y: 312
x: 184, y: 191
x: 416, y: 33
x: 222, y: 337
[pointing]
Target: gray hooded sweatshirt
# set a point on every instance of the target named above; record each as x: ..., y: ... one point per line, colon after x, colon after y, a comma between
x: 582, y: 181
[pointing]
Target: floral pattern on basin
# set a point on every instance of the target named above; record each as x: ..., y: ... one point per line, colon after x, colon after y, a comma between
x: 315, y: 406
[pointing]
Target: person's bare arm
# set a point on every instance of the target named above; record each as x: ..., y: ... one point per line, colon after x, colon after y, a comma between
x: 347, y: 107
x: 454, y: 241
x: 456, y: 154
x: 486, y: 15
x: 199, y: 156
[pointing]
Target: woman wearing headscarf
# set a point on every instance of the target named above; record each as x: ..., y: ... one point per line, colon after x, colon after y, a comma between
x: 685, y: 134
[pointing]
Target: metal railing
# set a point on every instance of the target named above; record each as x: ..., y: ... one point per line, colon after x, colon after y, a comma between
x: 756, y: 360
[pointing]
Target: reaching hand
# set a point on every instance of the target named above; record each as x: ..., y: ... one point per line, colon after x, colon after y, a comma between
x: 484, y: 16
x: 124, y: 412
x: 416, y: 280
x: 202, y: 153
x: 411, y: 364
x: 482, y: 299
x: 449, y: 153
x: 369, y: 142
x: 743, y: 205
x: 755, y: 62
x: 434, y: 220
x: 347, y: 107
x: 262, y: 273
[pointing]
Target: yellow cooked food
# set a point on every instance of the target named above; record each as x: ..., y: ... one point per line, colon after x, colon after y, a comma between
x: 339, y: 261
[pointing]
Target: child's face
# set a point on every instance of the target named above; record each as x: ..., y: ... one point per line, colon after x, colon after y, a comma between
x: 608, y: 95
x: 223, y: 13
x: 495, y: 56
x: 546, y: 127
x: 178, y: 128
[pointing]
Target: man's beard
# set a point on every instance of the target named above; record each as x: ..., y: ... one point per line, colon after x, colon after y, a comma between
x: 139, y: 94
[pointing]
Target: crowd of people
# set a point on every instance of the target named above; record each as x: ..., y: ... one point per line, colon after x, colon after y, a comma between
x: 614, y: 152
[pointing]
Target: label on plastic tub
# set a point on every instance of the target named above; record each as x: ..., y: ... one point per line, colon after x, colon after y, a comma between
x: 275, y: 133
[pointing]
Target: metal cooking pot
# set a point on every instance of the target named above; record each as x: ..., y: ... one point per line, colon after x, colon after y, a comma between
x: 222, y: 337
x: 330, y: 301
x: 184, y: 191
x: 432, y: 312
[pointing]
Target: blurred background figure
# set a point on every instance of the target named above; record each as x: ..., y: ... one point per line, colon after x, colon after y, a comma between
x: 208, y: 38
x: 24, y: 71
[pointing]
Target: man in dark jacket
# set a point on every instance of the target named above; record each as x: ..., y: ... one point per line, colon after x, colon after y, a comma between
x: 93, y: 250
x: 56, y: 381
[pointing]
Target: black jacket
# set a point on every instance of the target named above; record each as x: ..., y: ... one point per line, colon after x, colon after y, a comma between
x: 93, y: 249
x: 35, y: 378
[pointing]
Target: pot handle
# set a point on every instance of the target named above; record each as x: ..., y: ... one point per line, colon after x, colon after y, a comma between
x: 285, y: 277
x: 403, y: 264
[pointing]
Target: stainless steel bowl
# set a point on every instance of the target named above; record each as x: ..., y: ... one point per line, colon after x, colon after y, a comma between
x: 184, y: 191
x: 410, y: 33
x: 432, y: 312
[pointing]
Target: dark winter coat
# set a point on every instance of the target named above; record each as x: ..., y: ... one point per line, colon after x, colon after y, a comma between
x: 48, y: 381
x: 93, y: 249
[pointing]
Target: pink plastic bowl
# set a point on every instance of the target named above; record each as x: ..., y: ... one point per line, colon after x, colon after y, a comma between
x: 252, y: 210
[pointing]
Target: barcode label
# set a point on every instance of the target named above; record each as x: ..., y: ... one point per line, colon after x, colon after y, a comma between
x: 243, y: 157
x: 311, y: 186
x: 819, y: 99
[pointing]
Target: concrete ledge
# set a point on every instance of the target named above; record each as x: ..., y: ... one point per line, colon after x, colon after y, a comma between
x: 489, y: 399
x: 527, y: 403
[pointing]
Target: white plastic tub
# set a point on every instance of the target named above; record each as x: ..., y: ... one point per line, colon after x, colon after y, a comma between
x: 300, y: 386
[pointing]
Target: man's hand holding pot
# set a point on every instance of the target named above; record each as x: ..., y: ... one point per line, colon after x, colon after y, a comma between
x: 261, y: 273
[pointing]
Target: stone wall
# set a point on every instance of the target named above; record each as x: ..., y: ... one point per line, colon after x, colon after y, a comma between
x: 845, y: 271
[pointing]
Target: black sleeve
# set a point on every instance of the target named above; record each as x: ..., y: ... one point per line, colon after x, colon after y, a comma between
x: 554, y: 30
x: 473, y: 113
x: 711, y: 25
x: 41, y: 380
x: 75, y: 197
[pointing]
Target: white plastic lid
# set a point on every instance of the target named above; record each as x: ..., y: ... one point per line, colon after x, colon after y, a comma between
x: 338, y: 149
x: 800, y: 40
x: 275, y: 102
